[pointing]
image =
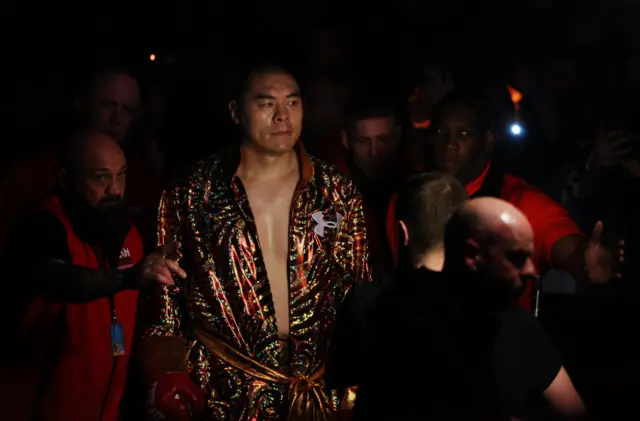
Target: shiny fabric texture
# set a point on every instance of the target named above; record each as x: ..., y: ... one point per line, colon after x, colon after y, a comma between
x: 307, y: 399
x: 227, y: 292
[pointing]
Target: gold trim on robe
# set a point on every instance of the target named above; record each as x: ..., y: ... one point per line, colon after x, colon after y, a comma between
x: 227, y: 292
x: 307, y: 399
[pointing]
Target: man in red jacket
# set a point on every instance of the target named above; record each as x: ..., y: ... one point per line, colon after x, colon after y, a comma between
x: 110, y: 104
x: 78, y: 263
x: 462, y: 143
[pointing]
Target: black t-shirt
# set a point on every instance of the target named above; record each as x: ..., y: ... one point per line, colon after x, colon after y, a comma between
x: 414, y: 357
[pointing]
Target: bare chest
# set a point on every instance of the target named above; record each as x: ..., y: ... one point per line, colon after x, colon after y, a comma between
x: 271, y: 207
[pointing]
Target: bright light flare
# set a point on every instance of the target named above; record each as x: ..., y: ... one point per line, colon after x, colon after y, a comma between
x: 152, y: 57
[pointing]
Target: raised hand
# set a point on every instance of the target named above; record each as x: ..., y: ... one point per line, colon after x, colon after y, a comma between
x: 161, y: 265
x: 610, y: 148
x: 601, y: 262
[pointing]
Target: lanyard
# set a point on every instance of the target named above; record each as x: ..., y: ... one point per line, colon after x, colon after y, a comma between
x: 112, y: 308
x: 112, y: 300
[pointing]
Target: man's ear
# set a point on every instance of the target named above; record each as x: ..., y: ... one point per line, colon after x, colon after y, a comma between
x: 489, y: 141
x: 471, y: 254
x: 404, y: 233
x: 344, y: 138
x: 235, y: 112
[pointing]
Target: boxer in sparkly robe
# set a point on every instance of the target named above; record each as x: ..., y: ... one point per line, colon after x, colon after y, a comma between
x: 271, y: 239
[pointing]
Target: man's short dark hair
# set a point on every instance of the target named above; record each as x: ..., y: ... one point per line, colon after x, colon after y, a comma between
x: 247, y: 72
x: 473, y: 98
x: 425, y: 204
x: 366, y: 107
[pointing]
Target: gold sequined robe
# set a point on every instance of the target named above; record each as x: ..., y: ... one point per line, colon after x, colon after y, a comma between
x: 227, y: 289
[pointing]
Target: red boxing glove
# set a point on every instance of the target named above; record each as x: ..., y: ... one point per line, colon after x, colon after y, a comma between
x: 174, y: 397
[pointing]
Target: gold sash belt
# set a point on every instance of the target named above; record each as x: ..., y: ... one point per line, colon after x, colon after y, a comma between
x: 307, y: 400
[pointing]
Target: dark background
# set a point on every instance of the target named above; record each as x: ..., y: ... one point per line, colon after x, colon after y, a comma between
x: 48, y: 48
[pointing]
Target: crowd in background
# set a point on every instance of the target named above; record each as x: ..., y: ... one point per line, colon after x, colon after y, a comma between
x: 562, y: 120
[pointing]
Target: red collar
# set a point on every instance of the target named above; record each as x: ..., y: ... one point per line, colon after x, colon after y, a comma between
x: 473, y: 186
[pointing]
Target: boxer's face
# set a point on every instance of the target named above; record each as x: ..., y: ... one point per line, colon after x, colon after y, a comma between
x: 270, y: 113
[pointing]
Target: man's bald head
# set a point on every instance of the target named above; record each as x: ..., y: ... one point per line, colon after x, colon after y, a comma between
x: 82, y: 144
x: 94, y: 167
x: 112, y: 102
x: 491, y: 238
x: 489, y: 219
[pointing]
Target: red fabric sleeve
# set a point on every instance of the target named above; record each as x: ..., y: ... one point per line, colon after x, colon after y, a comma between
x: 549, y: 220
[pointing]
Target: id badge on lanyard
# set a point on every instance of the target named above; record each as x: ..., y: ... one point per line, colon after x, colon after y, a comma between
x: 117, y: 334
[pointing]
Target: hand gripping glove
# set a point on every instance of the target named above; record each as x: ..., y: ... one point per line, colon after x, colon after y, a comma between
x: 174, y: 397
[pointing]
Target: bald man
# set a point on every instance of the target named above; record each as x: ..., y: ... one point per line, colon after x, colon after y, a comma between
x: 489, y: 245
x: 502, y: 239
x: 475, y: 353
x: 110, y: 104
x: 76, y: 265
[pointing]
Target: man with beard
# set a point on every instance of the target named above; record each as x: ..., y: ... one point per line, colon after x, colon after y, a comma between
x: 481, y: 356
x: 462, y: 140
x: 77, y: 267
x: 272, y: 240
x: 109, y: 103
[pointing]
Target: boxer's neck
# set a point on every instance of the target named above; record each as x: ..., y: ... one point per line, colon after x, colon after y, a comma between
x: 257, y: 164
